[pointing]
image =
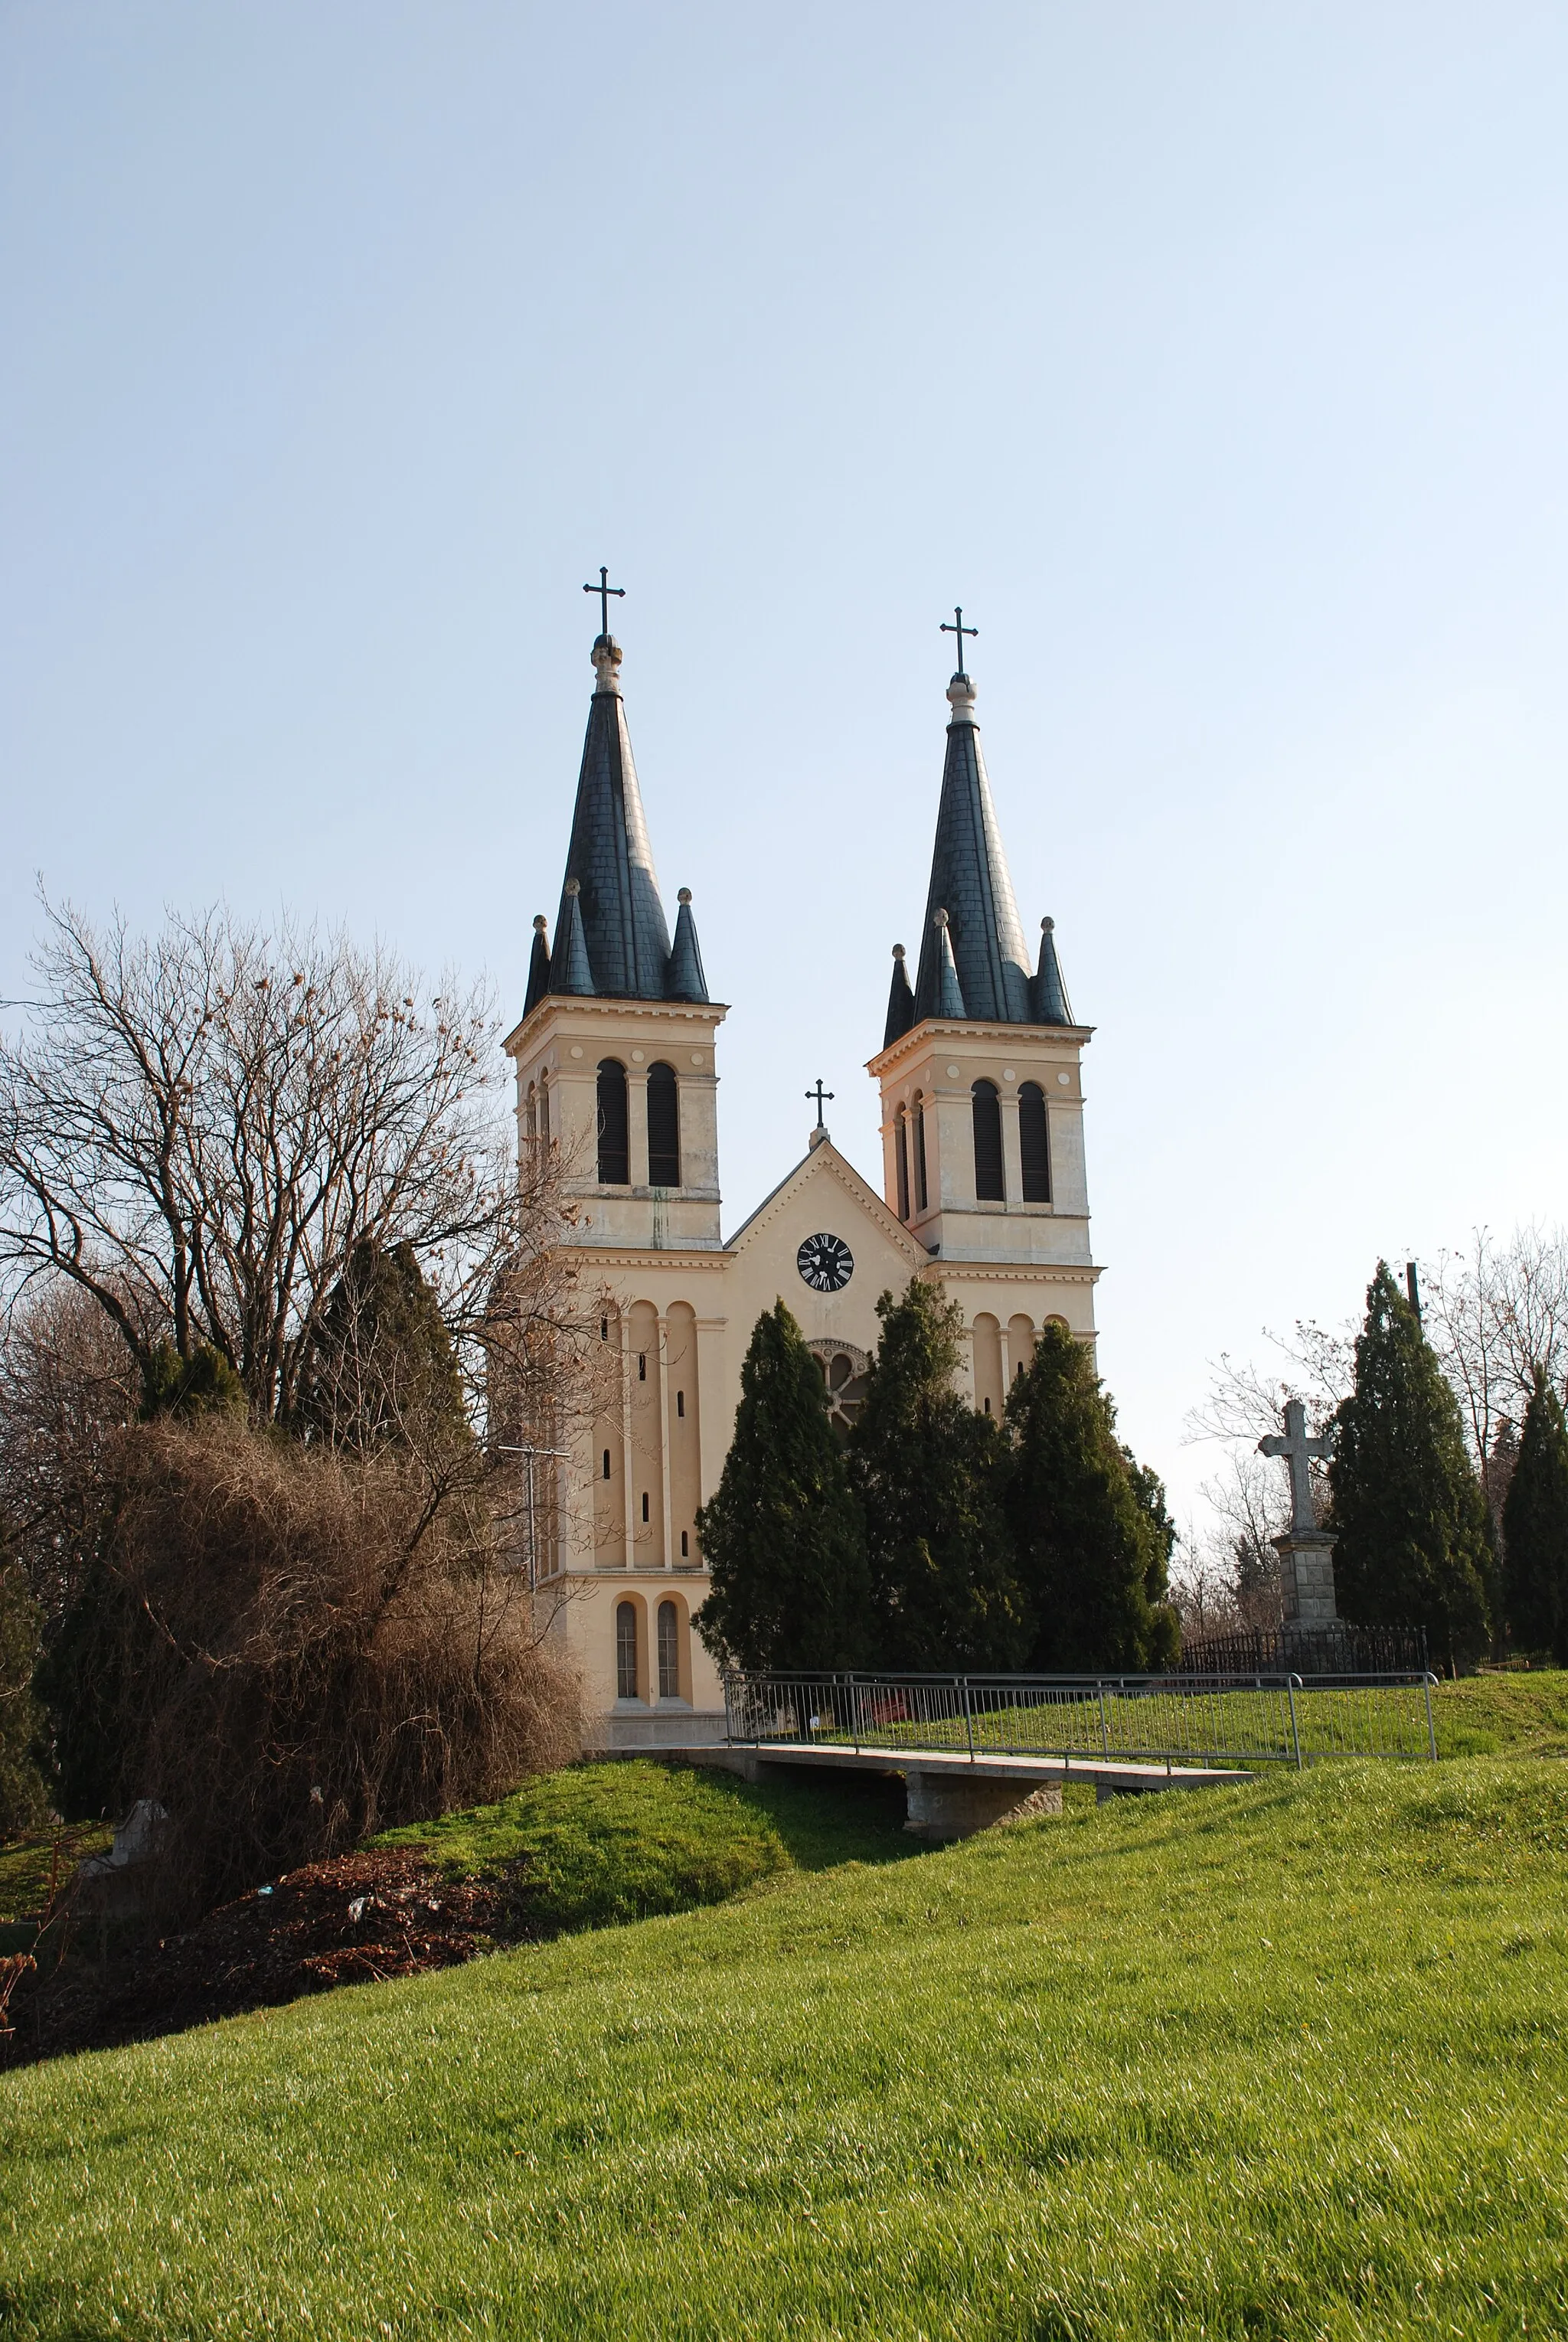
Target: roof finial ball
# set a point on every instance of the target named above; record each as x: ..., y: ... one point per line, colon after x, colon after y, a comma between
x: 899, y: 952
x: 539, y: 923
x: 1047, y: 926
x: 573, y: 885
x: 685, y: 895
x: 939, y: 918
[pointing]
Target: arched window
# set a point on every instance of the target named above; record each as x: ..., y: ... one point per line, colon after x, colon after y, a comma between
x: 543, y: 1106
x: 531, y: 1114
x: 664, y: 1128
x: 669, y: 1651
x: 1033, y: 1143
x: 989, y: 1185
x: 625, y: 1650
x: 901, y: 1160
x: 615, y: 1167
x: 921, y: 1198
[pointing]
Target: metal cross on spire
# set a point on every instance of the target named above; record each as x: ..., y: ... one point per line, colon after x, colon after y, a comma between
x: 603, y: 590
x: 1298, y: 1452
x: 819, y: 1094
x: 960, y: 629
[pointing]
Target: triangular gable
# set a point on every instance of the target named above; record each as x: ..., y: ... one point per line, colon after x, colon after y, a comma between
x: 849, y: 1193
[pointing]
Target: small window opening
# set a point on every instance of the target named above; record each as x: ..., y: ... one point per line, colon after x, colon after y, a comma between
x: 680, y: 1402
x: 606, y: 1471
x: 603, y: 1330
x: 642, y: 1366
x: 988, y: 1402
x: 644, y: 1504
x: 686, y: 1544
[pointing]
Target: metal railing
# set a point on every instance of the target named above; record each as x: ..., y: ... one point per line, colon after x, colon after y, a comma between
x: 1172, y: 1720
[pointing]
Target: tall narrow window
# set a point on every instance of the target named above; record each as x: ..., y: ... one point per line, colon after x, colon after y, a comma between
x: 681, y: 1402
x: 625, y: 1650
x: 614, y: 1168
x: 664, y: 1128
x: 606, y: 1471
x: 1033, y: 1143
x: 669, y: 1651
x: 644, y: 1504
x: 921, y: 1198
x: 543, y: 1106
x: 531, y: 1115
x: 987, y: 1107
x: 901, y: 1160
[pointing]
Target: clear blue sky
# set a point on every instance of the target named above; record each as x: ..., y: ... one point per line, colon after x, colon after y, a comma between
x: 1214, y: 357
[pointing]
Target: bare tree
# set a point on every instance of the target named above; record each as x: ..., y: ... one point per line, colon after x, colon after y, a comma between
x: 197, y: 1130
x: 1493, y: 1313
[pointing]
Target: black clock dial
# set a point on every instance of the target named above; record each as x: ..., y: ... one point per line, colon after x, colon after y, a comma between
x: 826, y: 1262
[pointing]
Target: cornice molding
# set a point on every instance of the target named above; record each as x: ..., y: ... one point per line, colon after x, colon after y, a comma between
x: 931, y: 1029
x: 556, y: 1005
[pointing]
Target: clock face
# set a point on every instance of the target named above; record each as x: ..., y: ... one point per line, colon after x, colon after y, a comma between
x: 826, y: 1262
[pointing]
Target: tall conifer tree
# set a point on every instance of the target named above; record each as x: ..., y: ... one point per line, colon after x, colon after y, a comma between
x: 1089, y: 1526
x: 1409, y: 1518
x: 1535, y: 1529
x: 931, y: 1475
x: 781, y: 1536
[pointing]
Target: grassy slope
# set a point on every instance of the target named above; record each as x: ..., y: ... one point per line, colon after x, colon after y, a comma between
x: 605, y: 1844
x: 1287, y: 2060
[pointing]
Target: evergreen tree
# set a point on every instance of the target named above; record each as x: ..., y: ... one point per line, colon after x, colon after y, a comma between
x: 782, y: 1535
x: 1410, y: 1544
x: 931, y: 1474
x: 202, y: 1383
x: 1535, y: 1529
x: 382, y: 1368
x: 1089, y: 1525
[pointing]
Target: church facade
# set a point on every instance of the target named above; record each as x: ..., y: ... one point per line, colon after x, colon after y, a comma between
x: 617, y: 1068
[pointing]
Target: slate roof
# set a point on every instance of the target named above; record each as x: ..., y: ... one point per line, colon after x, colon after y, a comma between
x: 611, y: 935
x: 973, y: 960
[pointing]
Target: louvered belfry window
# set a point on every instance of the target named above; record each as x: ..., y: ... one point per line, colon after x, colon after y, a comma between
x: 664, y: 1128
x: 989, y: 1185
x: 901, y: 1161
x: 1033, y: 1143
x: 615, y: 1166
x: 921, y: 1197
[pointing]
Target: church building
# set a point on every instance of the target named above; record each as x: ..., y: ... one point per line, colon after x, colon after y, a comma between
x: 617, y: 1065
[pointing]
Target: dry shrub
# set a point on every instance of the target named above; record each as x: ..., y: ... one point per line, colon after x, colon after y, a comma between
x: 304, y: 1649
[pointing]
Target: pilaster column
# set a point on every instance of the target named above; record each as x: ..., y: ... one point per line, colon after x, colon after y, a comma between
x: 638, y: 1125
x: 666, y: 1461
x: 1012, y: 1159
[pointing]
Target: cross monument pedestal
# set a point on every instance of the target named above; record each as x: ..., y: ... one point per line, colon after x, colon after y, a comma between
x: 1305, y: 1551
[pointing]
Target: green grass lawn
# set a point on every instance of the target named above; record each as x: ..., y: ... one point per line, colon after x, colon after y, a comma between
x: 602, y: 1845
x: 1287, y: 2060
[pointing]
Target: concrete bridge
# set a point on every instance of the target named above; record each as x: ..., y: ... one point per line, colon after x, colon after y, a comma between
x: 950, y: 1795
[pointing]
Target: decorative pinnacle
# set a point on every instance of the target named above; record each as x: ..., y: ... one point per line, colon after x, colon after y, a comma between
x: 539, y: 923
x: 685, y: 895
x: 898, y: 951
x: 573, y: 885
x: 939, y: 918
x: 1046, y: 925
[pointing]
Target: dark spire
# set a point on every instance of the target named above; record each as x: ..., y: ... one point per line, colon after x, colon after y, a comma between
x: 949, y: 993
x: 686, y: 980
x: 1052, y: 1006
x: 623, y: 934
x: 538, y: 966
x: 569, y: 967
x: 900, y: 1001
x: 980, y: 935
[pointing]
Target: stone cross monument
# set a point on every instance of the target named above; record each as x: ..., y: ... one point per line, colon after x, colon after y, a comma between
x: 1305, y: 1551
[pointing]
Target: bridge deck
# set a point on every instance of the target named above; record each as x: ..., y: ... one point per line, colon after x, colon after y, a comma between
x: 1108, y: 1774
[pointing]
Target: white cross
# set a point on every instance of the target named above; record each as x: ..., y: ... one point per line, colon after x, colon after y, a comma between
x: 1298, y: 1451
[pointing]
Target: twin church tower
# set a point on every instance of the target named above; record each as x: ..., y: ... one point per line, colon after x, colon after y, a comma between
x: 983, y: 1190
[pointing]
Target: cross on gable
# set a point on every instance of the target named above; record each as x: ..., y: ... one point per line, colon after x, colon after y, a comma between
x: 1299, y: 1452
x: 819, y: 1094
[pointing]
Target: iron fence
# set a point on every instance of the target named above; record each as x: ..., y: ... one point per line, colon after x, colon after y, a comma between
x: 1336, y: 1650
x: 1233, y: 1719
